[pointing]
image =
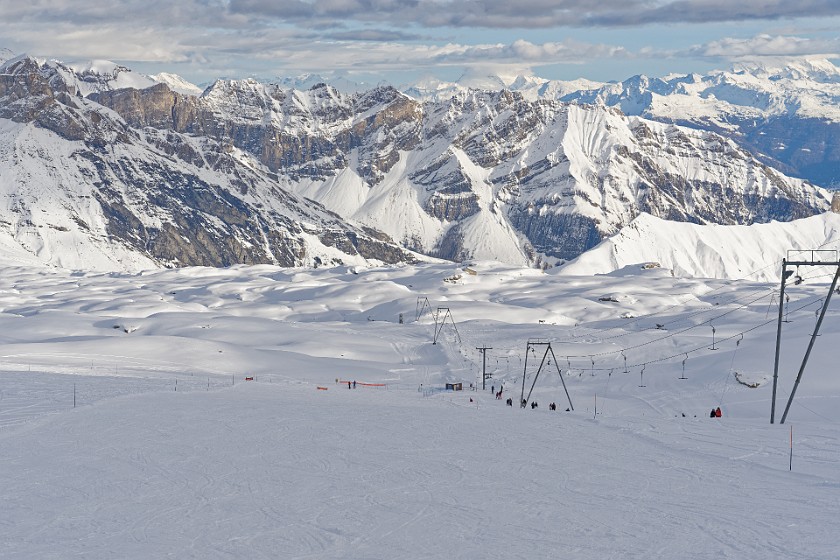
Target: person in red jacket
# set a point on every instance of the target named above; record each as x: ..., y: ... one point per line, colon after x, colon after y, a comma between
x: 718, y: 412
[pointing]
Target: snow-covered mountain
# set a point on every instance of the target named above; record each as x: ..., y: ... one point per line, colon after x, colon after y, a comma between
x: 479, y: 175
x: 176, y: 83
x: 82, y: 189
x: 482, y: 174
x: 94, y: 76
x: 304, y: 82
x: 712, y: 251
x: 529, y: 87
x: 786, y: 112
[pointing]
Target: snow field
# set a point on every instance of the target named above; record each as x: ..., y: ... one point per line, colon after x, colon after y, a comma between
x: 275, y: 468
x: 266, y: 470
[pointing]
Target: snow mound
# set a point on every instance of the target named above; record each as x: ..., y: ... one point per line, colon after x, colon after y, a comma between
x: 707, y: 251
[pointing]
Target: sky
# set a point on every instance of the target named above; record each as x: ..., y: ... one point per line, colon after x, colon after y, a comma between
x: 404, y: 41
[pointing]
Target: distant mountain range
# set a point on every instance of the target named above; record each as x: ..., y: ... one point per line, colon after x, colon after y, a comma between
x: 101, y: 167
x: 787, y: 113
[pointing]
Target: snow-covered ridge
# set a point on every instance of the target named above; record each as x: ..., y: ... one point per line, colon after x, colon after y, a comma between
x: 710, y: 251
x: 95, y: 76
x: 480, y: 175
x: 785, y: 111
x: 808, y: 88
x: 128, y: 429
x: 176, y: 83
x: 153, y: 197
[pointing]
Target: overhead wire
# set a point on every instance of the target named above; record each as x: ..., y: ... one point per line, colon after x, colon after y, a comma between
x: 681, y: 304
x: 669, y: 335
x: 765, y: 292
x: 812, y: 411
x: 705, y: 345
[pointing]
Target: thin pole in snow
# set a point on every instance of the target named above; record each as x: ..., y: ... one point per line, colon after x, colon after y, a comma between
x: 176, y: 385
x: 790, y: 467
x: 596, y: 406
x: 778, y: 342
x: 74, y: 395
x: 484, y: 375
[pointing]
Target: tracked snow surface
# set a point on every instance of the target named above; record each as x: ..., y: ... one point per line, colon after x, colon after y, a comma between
x: 170, y: 452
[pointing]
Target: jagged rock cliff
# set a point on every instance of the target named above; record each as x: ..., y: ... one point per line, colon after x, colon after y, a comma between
x: 76, y: 174
x: 478, y: 175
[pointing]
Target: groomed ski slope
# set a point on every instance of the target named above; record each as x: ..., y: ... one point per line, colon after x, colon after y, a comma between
x: 276, y: 468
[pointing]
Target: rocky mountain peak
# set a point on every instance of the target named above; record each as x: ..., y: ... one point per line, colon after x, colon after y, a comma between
x: 254, y: 172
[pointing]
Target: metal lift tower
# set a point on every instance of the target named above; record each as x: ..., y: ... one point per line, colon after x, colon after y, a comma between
x: 811, y: 258
x: 548, y: 350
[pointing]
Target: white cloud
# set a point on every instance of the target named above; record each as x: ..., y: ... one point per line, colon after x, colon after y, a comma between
x: 396, y: 56
x: 768, y: 45
x: 205, y: 39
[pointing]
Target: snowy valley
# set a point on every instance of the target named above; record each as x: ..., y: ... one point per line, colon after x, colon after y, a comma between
x: 206, y: 413
x: 232, y: 323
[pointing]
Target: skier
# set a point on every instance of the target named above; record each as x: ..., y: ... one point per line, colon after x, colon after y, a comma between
x: 348, y: 385
x: 718, y: 412
x: 712, y: 414
x: 354, y: 383
x: 510, y: 402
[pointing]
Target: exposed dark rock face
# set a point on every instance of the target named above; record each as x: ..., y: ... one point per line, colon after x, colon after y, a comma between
x: 572, y: 234
x: 262, y: 127
x: 451, y: 208
x: 175, y: 199
x: 220, y: 178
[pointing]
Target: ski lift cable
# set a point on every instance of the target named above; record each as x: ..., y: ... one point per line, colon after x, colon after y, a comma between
x: 812, y: 411
x: 726, y: 285
x: 772, y: 290
x: 670, y: 334
x: 704, y: 347
x: 624, y: 324
x: 677, y: 319
x: 734, y: 300
x: 699, y: 348
x: 730, y: 373
x: 805, y: 305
